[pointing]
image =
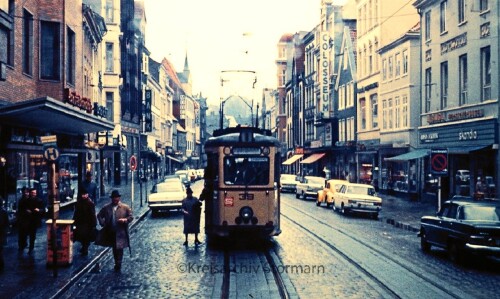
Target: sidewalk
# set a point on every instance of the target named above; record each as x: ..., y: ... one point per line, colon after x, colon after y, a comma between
x: 28, y: 276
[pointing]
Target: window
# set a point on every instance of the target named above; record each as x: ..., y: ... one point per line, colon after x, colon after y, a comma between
x: 390, y: 66
x: 109, y: 58
x: 404, y: 112
x: 483, y: 5
x: 342, y: 130
x: 390, y: 116
x: 485, y: 74
x: 370, y: 60
x: 384, y: 114
x: 350, y: 129
x: 374, y: 103
x: 461, y: 11
x: 350, y: 99
x: 345, y: 57
x: 397, y: 113
x: 362, y: 111
x: 341, y: 98
x: 110, y: 11
x: 405, y: 62
x: 427, y: 31
x: 428, y: 89
x: 49, y: 50
x: 384, y: 69
x: 71, y: 65
x: 398, y: 64
x: 27, y: 43
x: 7, y: 36
x: 282, y: 77
x: 462, y: 69
x: 442, y: 16
x: 110, y: 105
x: 444, y: 85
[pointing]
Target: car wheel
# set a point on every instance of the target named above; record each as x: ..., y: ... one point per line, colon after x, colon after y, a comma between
x: 328, y: 204
x: 296, y: 195
x: 455, y: 252
x: 375, y: 216
x: 318, y: 203
x: 154, y: 213
x: 343, y: 210
x: 424, y: 245
x: 303, y: 196
x: 334, y: 209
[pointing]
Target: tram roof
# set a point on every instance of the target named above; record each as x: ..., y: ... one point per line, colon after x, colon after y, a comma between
x: 232, y: 136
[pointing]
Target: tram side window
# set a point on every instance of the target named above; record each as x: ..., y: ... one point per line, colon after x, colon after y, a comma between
x: 246, y: 171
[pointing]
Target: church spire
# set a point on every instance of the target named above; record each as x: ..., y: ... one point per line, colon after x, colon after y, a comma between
x: 186, y: 65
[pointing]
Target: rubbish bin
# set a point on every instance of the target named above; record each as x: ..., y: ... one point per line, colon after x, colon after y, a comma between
x: 64, y: 242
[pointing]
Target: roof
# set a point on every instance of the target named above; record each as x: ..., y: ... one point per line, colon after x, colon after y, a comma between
x: 172, y: 74
x: 286, y: 38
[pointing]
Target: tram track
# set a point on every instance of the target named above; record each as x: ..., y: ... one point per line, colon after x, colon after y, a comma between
x: 259, y: 263
x: 398, y: 280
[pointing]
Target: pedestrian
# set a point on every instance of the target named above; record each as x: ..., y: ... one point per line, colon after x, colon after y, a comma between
x: 114, y: 217
x: 481, y: 189
x: 90, y: 186
x: 4, y: 227
x: 29, y: 216
x: 191, y: 207
x: 85, y: 221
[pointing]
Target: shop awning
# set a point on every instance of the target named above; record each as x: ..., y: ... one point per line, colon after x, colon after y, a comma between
x: 409, y: 155
x: 312, y: 158
x: 466, y: 149
x: 174, y: 159
x: 292, y: 159
x: 54, y: 116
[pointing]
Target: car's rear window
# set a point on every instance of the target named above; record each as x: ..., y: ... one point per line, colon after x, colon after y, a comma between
x: 169, y: 187
x: 481, y: 213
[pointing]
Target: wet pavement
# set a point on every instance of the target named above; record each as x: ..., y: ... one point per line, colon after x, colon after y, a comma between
x: 28, y: 276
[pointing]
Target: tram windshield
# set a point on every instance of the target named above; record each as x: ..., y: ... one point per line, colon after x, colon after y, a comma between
x: 246, y: 170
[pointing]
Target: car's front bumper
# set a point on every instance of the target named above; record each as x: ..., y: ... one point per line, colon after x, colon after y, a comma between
x: 363, y: 207
x: 483, y: 249
x: 165, y: 205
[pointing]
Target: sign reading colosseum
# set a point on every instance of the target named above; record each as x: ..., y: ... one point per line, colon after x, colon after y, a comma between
x: 324, y: 63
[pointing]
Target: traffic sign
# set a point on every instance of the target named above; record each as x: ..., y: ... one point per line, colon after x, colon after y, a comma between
x: 133, y: 163
x: 439, y: 162
x: 51, y: 153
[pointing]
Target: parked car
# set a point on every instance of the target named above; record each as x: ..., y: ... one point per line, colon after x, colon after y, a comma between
x: 184, y: 175
x: 168, y: 196
x: 309, y: 187
x: 360, y: 198
x: 200, y: 173
x: 288, y: 183
x: 326, y: 195
x: 462, y: 177
x: 166, y: 179
x: 463, y: 227
x: 491, y: 188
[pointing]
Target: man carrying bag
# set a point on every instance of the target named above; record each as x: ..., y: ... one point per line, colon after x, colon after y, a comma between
x: 114, y: 219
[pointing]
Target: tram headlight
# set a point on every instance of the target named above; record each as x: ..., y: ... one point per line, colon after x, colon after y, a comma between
x: 246, y: 213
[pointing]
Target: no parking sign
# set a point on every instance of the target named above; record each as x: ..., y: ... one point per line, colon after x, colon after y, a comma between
x: 439, y: 162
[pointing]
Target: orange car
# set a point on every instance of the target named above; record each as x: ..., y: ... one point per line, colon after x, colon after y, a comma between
x: 326, y: 195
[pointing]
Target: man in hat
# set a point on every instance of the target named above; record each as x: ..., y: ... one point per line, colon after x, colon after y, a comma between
x: 85, y: 221
x: 90, y: 186
x: 115, y: 217
x: 191, y: 207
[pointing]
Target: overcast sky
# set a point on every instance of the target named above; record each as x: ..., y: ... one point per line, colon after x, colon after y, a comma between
x: 221, y: 35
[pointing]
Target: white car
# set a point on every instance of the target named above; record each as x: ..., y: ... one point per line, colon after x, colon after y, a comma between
x: 168, y: 196
x: 184, y: 176
x: 357, y: 198
x: 200, y: 173
x: 288, y: 183
x: 309, y: 187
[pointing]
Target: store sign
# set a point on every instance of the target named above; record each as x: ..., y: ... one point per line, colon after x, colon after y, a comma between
x: 324, y: 73
x: 74, y: 99
x: 148, y: 117
x: 439, y: 162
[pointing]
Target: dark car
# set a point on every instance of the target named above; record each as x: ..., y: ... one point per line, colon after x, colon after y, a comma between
x: 463, y: 227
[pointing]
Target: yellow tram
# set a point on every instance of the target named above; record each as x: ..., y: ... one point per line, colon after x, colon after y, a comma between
x: 242, y: 183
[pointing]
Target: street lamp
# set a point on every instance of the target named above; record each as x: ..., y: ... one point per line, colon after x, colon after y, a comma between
x: 3, y: 162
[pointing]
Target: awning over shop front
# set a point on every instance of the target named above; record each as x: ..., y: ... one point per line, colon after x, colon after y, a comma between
x: 53, y: 116
x: 466, y: 149
x: 312, y: 158
x: 174, y: 159
x: 409, y: 155
x: 292, y: 159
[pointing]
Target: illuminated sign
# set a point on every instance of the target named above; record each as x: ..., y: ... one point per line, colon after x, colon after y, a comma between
x: 324, y: 73
x: 246, y: 150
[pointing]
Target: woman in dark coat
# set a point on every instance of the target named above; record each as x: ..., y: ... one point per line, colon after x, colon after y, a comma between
x: 85, y: 221
x: 191, y: 207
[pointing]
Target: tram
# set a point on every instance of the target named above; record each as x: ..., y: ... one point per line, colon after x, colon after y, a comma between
x: 241, y: 190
